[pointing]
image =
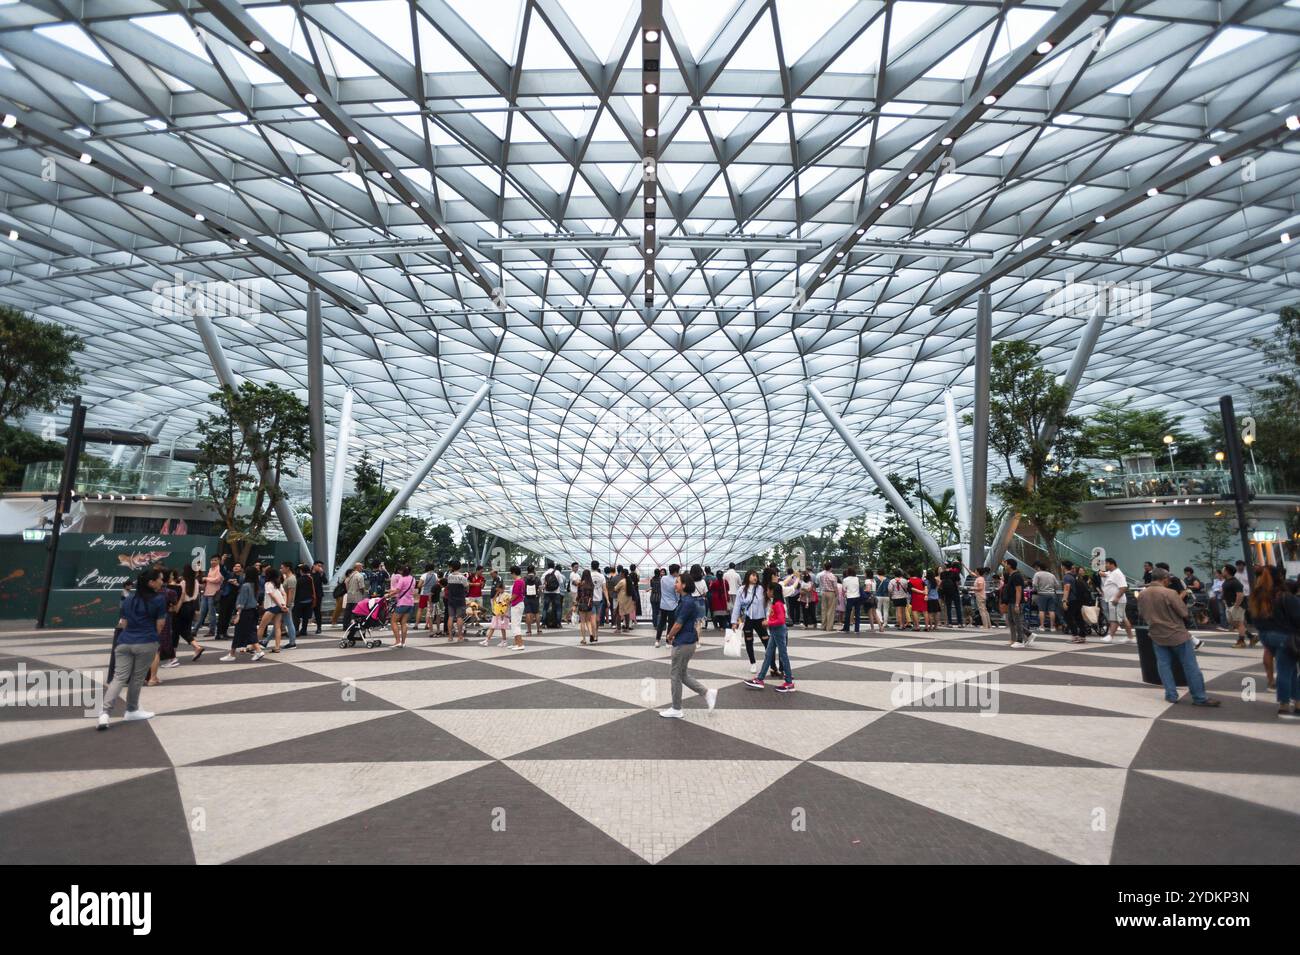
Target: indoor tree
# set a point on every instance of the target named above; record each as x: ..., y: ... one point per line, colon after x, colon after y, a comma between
x: 1040, y: 442
x: 255, y: 424
x: 38, y: 372
x: 1115, y: 430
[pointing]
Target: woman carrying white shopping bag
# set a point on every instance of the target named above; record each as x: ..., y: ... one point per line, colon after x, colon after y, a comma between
x: 751, y: 607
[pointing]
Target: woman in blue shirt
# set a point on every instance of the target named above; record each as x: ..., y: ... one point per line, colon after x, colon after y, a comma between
x: 751, y: 606
x: 140, y: 621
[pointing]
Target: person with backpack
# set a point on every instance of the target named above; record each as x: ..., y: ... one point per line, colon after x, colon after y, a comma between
x: 1275, y: 611
x: 339, y: 593
x: 455, y: 587
x: 305, y: 598
x: 140, y: 624
x: 552, y: 596
x: 532, y: 599
x: 1073, y: 588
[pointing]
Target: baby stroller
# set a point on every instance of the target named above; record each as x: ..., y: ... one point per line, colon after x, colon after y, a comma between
x: 368, y: 616
x: 473, y: 618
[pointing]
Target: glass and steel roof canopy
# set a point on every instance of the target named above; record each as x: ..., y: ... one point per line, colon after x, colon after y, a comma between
x: 466, y: 182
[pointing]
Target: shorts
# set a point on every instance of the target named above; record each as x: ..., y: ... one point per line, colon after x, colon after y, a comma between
x: 424, y: 601
x: 455, y: 611
x: 531, y: 604
x: 1047, y: 603
x: 403, y: 610
x: 1236, y: 615
x: 898, y: 602
x: 931, y: 606
x: 275, y: 610
x: 1115, y: 609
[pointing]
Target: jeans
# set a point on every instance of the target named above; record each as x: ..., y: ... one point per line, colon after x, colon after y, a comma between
x: 1016, y: 624
x: 682, y: 653
x: 853, y: 608
x: 551, y: 609
x: 131, y: 662
x: 952, y: 609
x: 752, y: 627
x: 1074, y: 620
x: 207, y: 605
x: 225, y: 610
x: 666, y: 618
x: 1185, y: 652
x: 1284, y: 665
x: 776, y: 650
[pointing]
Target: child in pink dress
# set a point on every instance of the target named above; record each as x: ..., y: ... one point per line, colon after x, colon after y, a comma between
x: 500, y: 616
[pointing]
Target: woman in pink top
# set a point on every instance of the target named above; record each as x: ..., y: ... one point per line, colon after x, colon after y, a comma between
x: 208, y: 601
x: 402, y: 587
x: 517, y: 609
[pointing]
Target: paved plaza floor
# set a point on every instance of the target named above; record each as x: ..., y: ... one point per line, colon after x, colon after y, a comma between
x: 887, y: 753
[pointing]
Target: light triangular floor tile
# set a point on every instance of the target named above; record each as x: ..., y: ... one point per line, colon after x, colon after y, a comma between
x: 417, y: 694
x: 14, y: 731
x: 195, y: 738
x: 1276, y: 792
x: 502, y: 733
x: 160, y: 700
x: 798, y: 733
x: 1116, y: 674
x: 1103, y: 739
x: 878, y: 694
x: 653, y: 807
x: 245, y: 808
x: 985, y: 655
x: 1053, y: 808
x: 554, y: 669
x: 27, y: 789
x: 912, y: 668
x: 646, y: 692
x: 1146, y: 701
x: 1283, y: 732
x: 370, y: 669
x: 819, y: 654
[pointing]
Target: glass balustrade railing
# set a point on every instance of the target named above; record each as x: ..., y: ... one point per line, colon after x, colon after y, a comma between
x: 1203, y: 483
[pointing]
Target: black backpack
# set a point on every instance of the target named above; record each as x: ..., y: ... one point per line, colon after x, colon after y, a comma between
x: 552, y: 580
x: 340, y: 589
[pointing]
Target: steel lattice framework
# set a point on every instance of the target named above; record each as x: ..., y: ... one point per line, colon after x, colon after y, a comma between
x: 269, y: 132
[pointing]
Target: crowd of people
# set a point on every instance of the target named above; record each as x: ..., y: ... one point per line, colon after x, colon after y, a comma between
x: 269, y: 606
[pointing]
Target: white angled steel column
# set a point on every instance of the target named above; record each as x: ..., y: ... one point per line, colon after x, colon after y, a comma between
x: 414, y: 481
x: 1082, y: 355
x: 226, y: 375
x: 891, y: 493
x: 341, y: 439
x: 958, y: 475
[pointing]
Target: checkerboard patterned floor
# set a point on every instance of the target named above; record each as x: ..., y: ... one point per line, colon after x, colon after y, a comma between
x: 460, y: 753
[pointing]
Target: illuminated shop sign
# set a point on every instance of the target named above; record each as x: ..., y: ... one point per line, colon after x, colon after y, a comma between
x: 1144, y: 529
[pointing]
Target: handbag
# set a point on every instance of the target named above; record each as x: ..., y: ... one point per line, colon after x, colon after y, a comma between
x: 1090, y: 613
x: 731, y: 643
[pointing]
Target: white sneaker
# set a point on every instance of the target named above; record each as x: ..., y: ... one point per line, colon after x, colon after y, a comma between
x: 1120, y: 641
x: 228, y: 658
x: 1106, y: 639
x: 1031, y: 638
x: 103, y: 722
x: 1196, y: 643
x: 258, y: 655
x: 137, y: 715
x: 173, y: 662
x: 671, y: 714
x: 1018, y: 646
x: 711, y: 699
x: 753, y: 668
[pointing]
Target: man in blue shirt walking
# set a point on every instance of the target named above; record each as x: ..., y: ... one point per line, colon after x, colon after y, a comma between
x: 667, y: 602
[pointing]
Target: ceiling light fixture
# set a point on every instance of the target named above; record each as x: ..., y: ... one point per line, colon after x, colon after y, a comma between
x: 257, y: 46
x: 10, y: 121
x: 652, y: 36
x: 1215, y: 161
x: 1043, y: 48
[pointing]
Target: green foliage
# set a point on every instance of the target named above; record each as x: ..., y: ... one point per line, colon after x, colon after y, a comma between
x: 256, y: 423
x: 1215, y: 542
x: 1115, y: 430
x: 1039, y: 440
x: 407, y: 539
x: 38, y: 369
x: 19, y: 448
x: 1277, y: 405
x: 941, y: 518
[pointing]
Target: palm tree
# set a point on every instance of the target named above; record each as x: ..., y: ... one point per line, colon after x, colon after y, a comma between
x: 941, y: 516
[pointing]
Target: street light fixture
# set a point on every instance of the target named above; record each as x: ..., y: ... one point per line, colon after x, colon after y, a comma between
x: 1169, y: 444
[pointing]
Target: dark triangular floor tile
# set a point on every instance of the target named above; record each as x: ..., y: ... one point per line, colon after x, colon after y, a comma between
x: 122, y: 746
x: 403, y: 737
x: 327, y: 696
x: 575, y: 652
x: 647, y: 735
x: 904, y: 655
x: 468, y: 670
x: 139, y: 821
x: 833, y: 670
x: 1162, y: 822
x: 350, y: 656
x: 859, y: 825
x: 539, y: 695
x: 1088, y: 658
x: 213, y: 671
x: 1032, y: 676
x: 897, y: 738
x: 1020, y: 704
x: 453, y: 822
x: 738, y: 696
x: 1179, y: 745
x: 633, y: 670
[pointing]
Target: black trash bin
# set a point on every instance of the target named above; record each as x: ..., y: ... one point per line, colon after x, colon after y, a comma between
x: 1147, y: 659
